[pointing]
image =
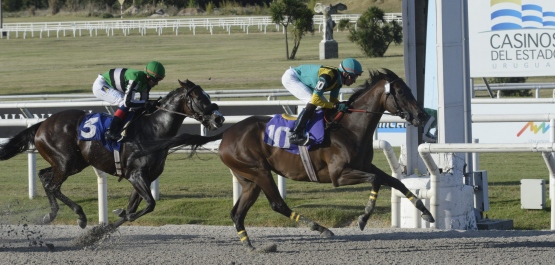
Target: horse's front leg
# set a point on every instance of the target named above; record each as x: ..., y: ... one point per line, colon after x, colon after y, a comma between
x: 351, y: 176
x: 385, y: 179
x: 132, y: 206
x: 142, y: 189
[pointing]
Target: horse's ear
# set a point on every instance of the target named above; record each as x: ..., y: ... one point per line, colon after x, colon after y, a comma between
x: 181, y: 83
x: 189, y: 83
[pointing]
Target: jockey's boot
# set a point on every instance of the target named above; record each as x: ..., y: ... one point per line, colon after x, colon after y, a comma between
x: 298, y: 134
x: 114, y: 131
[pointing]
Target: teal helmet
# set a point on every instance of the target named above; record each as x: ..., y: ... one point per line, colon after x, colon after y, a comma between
x: 351, y: 66
x: 156, y: 70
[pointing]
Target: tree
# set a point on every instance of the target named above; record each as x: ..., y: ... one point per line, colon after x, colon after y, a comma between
x: 374, y: 34
x: 296, y: 13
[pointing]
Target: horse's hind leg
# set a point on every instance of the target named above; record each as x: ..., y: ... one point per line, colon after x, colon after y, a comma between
x: 248, y: 197
x: 277, y: 203
x: 53, y: 192
x: 45, y: 176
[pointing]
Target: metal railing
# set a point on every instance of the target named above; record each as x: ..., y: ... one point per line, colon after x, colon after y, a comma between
x: 516, y: 86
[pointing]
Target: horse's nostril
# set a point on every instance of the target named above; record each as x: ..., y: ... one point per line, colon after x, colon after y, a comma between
x: 219, y: 120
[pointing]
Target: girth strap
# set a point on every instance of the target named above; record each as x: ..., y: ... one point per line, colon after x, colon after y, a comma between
x: 117, y: 160
x: 305, y: 157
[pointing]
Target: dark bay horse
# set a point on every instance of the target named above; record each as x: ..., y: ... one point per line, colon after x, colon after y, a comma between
x: 344, y: 160
x: 56, y: 139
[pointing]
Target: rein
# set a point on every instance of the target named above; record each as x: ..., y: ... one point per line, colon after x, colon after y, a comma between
x: 387, y: 90
x: 171, y: 111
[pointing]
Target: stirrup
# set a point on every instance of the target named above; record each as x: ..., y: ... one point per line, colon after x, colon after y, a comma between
x: 297, y: 140
x: 112, y: 137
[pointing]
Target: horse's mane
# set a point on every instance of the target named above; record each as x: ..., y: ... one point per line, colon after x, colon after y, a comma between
x: 375, y: 77
x: 173, y: 93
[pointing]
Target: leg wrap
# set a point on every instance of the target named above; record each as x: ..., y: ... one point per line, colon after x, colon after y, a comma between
x: 412, y: 198
x: 420, y: 206
x: 245, y: 239
x: 371, y: 203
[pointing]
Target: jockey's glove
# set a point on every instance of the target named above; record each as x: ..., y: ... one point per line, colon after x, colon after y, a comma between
x: 342, y: 106
x: 150, y: 105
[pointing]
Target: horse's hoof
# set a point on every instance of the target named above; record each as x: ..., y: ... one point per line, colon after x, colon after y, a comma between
x: 326, y: 234
x: 361, y: 222
x: 119, y: 212
x: 46, y: 219
x: 82, y: 223
x: 428, y: 218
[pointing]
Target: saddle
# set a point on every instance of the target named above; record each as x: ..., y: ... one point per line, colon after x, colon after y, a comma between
x: 93, y: 127
x: 279, y: 128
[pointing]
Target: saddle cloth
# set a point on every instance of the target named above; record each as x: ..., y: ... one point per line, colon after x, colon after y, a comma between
x: 279, y: 129
x: 92, y: 128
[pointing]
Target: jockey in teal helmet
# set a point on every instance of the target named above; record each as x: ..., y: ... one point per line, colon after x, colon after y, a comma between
x: 351, y: 67
x: 308, y: 83
x: 119, y: 86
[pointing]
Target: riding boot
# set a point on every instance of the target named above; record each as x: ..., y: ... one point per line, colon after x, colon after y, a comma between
x: 114, y: 131
x: 299, y: 136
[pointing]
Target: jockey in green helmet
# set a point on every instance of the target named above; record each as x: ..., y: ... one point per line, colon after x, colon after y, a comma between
x: 119, y: 86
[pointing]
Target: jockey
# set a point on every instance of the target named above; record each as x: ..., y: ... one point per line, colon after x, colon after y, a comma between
x: 119, y: 86
x: 309, y: 82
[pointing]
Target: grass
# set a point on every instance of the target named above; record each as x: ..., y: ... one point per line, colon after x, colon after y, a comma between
x: 219, y: 61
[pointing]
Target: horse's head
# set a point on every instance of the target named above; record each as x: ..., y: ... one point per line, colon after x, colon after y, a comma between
x: 386, y: 91
x: 198, y: 106
x: 398, y: 100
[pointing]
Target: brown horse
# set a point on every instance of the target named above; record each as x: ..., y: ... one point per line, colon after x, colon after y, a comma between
x: 56, y: 139
x: 343, y: 160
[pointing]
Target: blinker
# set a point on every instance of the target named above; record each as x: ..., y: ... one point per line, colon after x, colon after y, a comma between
x: 387, y: 88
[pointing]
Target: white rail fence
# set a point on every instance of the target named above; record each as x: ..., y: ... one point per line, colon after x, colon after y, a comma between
x: 126, y: 27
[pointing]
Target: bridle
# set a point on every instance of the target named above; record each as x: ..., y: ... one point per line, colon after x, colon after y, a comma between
x: 191, y: 105
x: 387, y: 92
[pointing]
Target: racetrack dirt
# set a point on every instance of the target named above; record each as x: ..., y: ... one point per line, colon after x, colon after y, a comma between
x: 194, y: 244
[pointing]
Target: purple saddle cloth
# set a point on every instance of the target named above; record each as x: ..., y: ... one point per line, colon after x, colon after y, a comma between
x: 279, y: 129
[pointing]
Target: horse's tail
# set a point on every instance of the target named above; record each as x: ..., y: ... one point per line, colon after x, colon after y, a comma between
x: 19, y: 143
x: 193, y: 141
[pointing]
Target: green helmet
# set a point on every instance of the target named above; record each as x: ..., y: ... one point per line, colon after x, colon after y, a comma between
x: 156, y: 70
x: 351, y: 66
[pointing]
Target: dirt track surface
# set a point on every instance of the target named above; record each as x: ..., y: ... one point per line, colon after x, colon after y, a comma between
x: 193, y: 244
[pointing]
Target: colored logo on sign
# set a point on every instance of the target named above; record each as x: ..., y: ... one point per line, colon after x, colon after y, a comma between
x: 543, y: 127
x: 521, y: 14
